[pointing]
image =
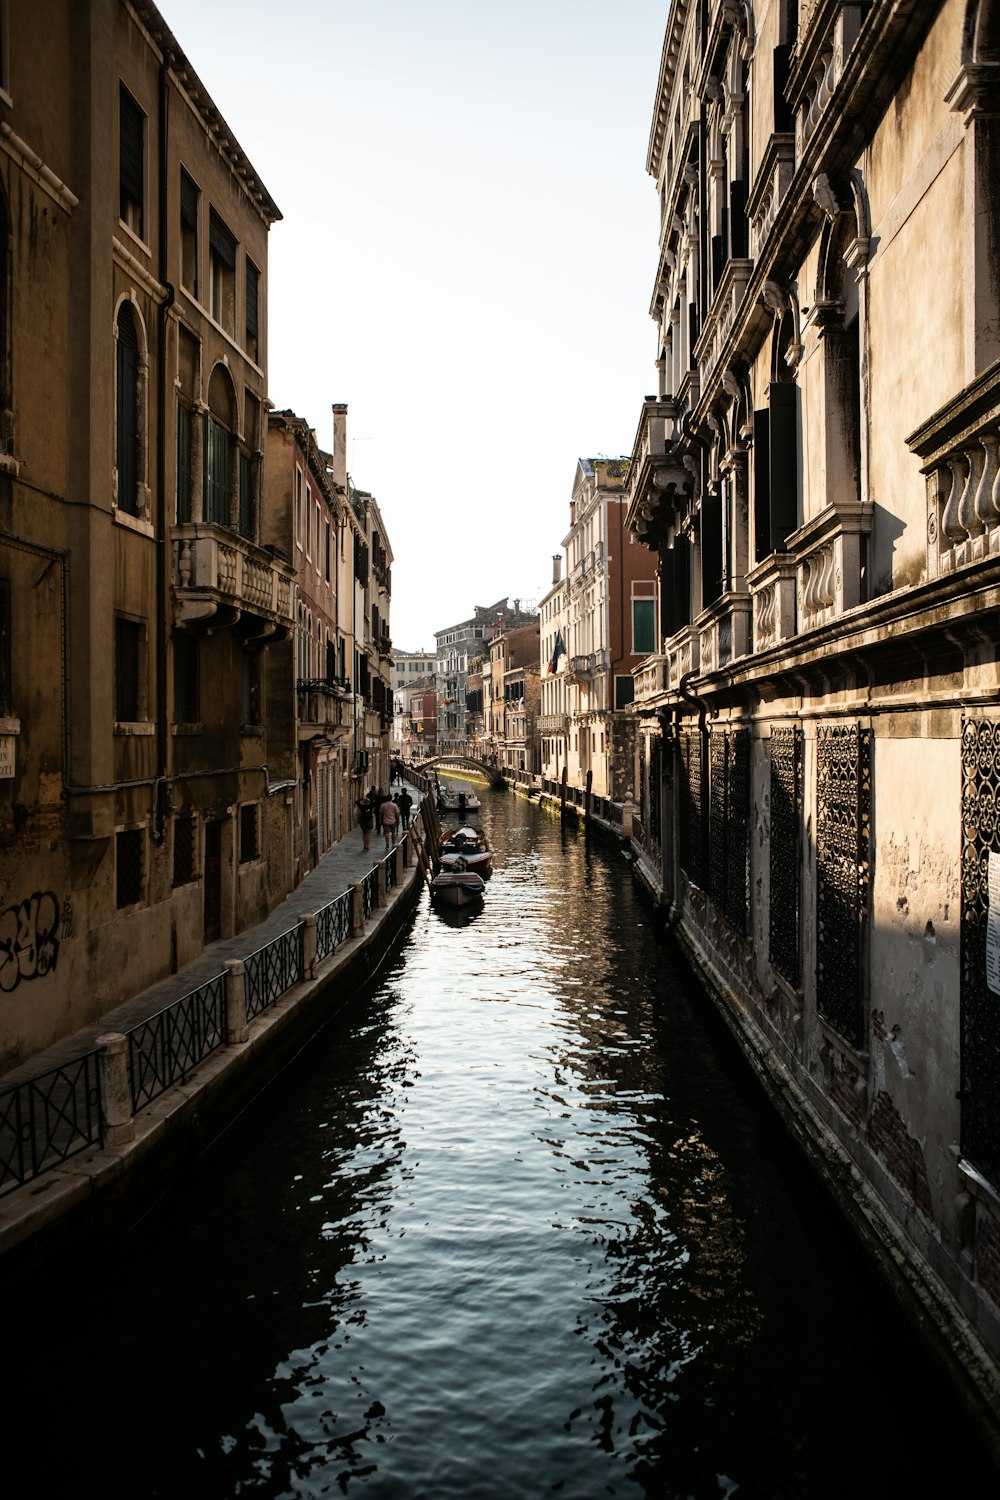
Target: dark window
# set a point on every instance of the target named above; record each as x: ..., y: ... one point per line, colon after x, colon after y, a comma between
x: 131, y: 157
x: 186, y: 702
x: 216, y: 472
x: 183, y: 463
x: 222, y: 272
x: 624, y: 691
x: 248, y: 832
x: 327, y: 552
x: 246, y: 496
x: 253, y: 310
x: 251, y: 688
x: 184, y: 847
x: 189, y: 233
x: 128, y: 867
x: 361, y: 561
x: 128, y: 676
x: 127, y: 411
x: 6, y: 696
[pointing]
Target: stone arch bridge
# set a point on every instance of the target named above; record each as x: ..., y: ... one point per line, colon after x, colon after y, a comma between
x: 491, y: 773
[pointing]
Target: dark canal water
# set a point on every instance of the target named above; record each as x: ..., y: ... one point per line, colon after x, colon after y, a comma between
x: 518, y: 1225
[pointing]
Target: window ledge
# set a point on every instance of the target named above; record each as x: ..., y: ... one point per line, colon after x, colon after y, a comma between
x: 252, y: 731
x: 187, y: 729
x: 132, y: 523
x: 134, y: 730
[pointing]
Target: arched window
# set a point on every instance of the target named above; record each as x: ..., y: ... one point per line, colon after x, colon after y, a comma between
x: 127, y: 411
x: 220, y: 448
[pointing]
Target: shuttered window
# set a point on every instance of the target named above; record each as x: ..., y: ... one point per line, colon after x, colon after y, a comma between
x: 222, y: 272
x: 252, y: 309
x: 217, y: 473
x: 189, y: 233
x: 127, y: 411
x: 131, y: 157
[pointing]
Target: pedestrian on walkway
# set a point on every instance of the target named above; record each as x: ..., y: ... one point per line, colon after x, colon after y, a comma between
x: 389, y: 817
x: 366, y: 819
x: 405, y: 802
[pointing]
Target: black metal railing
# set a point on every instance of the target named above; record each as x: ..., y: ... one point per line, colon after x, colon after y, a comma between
x: 48, y: 1119
x: 272, y: 970
x: 333, y: 926
x: 389, y: 866
x: 369, y: 893
x: 164, y: 1049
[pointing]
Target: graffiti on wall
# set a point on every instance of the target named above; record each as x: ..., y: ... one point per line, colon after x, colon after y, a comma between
x: 29, y: 943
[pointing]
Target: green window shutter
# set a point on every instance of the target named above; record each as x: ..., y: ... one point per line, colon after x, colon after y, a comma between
x: 246, y: 497
x: 643, y: 627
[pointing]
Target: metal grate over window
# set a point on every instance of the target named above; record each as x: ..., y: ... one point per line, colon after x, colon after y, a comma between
x: 184, y: 850
x: 980, y: 1007
x: 128, y: 866
x: 249, y: 843
x: 784, y: 931
x: 692, y: 826
x: 843, y: 864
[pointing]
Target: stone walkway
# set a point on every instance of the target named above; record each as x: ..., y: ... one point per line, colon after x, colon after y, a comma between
x: 342, y: 866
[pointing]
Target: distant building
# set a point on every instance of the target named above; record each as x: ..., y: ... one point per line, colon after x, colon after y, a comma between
x: 606, y: 626
x: 409, y: 669
x: 513, y: 708
x: 457, y: 645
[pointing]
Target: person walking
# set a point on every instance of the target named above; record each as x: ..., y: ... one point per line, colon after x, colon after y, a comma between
x: 405, y: 802
x: 389, y: 818
x: 366, y: 819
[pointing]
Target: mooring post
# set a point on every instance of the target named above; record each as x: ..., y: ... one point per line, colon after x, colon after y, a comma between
x: 237, y: 1030
x: 116, y: 1097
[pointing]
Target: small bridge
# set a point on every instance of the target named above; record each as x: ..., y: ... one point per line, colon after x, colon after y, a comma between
x: 491, y: 773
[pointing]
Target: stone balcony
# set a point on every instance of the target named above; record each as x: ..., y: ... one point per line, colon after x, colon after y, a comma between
x: 770, y: 185
x: 585, y: 668
x: 960, y: 449
x: 827, y: 32
x: 323, y: 704
x: 772, y: 592
x: 553, y: 723
x: 659, y: 482
x: 830, y: 553
x: 723, y: 631
x: 221, y: 579
x: 651, y: 678
x: 721, y: 316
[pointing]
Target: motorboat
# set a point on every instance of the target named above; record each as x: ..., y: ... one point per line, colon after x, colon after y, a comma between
x: 457, y: 888
x: 458, y: 799
x: 466, y: 849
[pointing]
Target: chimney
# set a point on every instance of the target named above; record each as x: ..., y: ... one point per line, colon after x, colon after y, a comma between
x: 340, y: 443
x: 556, y: 567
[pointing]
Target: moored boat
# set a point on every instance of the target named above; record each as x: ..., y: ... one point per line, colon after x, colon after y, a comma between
x: 461, y: 888
x: 466, y: 849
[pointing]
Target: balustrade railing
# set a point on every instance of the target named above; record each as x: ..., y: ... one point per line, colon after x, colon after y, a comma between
x: 272, y: 970
x: 164, y: 1049
x: 389, y: 866
x: 960, y: 449
x: 48, y: 1119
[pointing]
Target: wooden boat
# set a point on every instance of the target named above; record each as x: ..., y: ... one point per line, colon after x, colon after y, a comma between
x: 462, y: 888
x: 466, y: 849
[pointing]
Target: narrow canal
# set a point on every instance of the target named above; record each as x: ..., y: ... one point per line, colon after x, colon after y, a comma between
x: 517, y: 1225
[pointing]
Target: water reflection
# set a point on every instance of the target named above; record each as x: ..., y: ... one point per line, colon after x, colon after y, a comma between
x: 515, y: 1227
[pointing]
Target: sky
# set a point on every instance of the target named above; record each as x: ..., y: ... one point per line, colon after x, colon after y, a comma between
x: 466, y: 257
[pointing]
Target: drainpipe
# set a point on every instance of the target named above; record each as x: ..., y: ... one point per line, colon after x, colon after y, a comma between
x: 162, y: 546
